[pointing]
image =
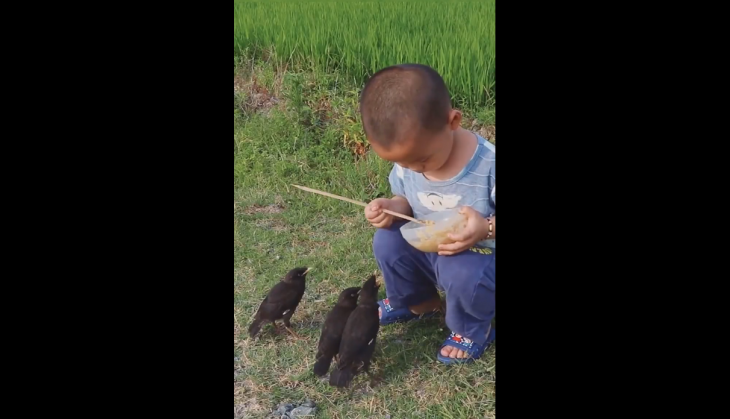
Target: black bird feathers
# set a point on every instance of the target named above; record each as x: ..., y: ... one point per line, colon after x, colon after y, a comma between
x: 358, y: 339
x: 281, y: 302
x: 334, y: 325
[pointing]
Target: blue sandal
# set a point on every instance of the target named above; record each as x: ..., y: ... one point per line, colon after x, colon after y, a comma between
x: 472, y: 349
x: 389, y: 315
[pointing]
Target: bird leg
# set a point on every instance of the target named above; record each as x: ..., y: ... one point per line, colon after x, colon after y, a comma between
x: 287, y: 324
x: 292, y: 332
x: 285, y: 318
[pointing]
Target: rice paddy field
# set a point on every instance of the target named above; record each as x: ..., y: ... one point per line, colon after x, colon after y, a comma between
x: 359, y: 37
x: 298, y: 70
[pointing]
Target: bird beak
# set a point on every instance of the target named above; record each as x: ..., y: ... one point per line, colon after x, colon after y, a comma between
x: 307, y: 271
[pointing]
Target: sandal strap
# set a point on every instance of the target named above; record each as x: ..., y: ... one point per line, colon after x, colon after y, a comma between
x: 390, y: 313
x: 396, y: 315
x: 386, y: 304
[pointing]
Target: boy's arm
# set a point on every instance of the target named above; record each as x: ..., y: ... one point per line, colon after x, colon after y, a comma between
x: 399, y: 202
x: 401, y: 205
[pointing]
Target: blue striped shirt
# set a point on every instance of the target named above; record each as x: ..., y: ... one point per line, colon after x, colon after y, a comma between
x: 475, y: 186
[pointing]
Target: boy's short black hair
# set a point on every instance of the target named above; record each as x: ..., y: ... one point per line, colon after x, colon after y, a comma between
x: 398, y: 97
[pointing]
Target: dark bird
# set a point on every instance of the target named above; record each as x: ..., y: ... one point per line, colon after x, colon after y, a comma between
x: 281, y: 302
x: 334, y: 325
x: 358, y: 338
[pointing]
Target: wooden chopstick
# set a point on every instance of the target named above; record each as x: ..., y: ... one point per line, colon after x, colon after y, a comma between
x: 362, y: 204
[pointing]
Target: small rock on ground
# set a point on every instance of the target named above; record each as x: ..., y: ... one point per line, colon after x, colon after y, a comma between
x: 290, y: 411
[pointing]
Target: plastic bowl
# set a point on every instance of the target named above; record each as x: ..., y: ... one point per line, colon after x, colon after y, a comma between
x: 427, y: 238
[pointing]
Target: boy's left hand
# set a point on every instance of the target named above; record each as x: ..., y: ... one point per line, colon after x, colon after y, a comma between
x: 477, y: 229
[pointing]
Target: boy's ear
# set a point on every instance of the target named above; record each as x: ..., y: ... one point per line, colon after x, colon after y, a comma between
x: 454, y: 119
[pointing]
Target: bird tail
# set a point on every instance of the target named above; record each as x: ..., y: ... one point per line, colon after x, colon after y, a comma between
x: 255, y: 327
x: 322, y: 365
x: 341, y: 377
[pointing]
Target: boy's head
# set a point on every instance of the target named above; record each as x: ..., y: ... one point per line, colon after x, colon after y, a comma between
x: 407, y: 116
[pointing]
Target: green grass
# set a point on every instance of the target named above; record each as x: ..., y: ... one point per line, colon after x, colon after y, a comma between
x: 299, y: 128
x: 357, y: 38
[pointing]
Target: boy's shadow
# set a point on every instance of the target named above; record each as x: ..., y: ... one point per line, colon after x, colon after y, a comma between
x: 407, y: 347
x: 310, y: 323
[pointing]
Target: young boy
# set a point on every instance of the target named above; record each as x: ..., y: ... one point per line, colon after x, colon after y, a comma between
x: 408, y: 120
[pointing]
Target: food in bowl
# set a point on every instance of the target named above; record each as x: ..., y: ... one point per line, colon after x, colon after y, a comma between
x: 427, y: 238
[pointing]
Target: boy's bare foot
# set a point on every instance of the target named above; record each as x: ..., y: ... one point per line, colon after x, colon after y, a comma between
x: 427, y: 306
x: 454, y: 353
x: 457, y: 349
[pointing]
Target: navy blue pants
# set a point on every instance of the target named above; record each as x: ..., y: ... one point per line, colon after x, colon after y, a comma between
x: 467, y: 279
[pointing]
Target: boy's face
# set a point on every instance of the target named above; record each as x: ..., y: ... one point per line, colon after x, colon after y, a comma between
x: 422, y: 152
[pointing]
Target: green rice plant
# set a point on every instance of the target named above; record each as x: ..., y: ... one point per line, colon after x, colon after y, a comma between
x: 360, y: 37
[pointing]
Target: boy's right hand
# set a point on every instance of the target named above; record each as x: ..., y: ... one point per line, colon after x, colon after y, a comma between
x: 375, y: 215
